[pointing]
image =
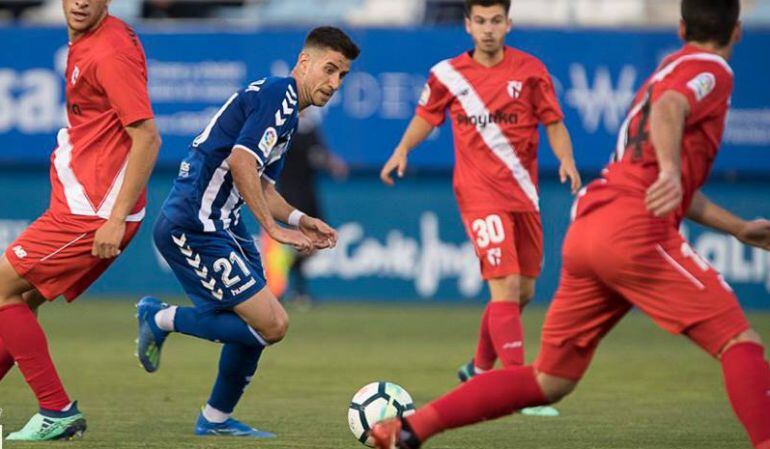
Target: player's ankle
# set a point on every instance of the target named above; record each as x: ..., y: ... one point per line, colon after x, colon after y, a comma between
x: 408, y: 438
x: 164, y: 318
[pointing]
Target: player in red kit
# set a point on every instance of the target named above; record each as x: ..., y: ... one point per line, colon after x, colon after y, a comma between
x: 99, y: 172
x: 623, y: 250
x: 496, y: 97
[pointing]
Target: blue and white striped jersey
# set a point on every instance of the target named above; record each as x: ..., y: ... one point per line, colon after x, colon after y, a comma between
x: 259, y: 119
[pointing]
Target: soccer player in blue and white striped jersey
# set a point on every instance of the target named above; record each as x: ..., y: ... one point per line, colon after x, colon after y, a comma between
x: 236, y: 160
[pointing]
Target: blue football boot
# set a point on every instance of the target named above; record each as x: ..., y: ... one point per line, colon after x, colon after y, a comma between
x: 151, y: 337
x: 231, y: 427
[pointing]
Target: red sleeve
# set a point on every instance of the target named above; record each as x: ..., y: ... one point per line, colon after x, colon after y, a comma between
x: 124, y: 79
x: 546, y: 105
x: 434, y: 101
x: 706, y: 85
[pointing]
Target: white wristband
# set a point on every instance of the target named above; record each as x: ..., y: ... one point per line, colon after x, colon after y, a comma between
x: 294, y: 217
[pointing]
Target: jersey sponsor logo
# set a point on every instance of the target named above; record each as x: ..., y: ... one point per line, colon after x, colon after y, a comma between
x: 483, y: 120
x: 75, y: 75
x: 702, y: 85
x: 514, y: 89
x: 19, y: 251
x: 268, y: 141
x: 425, y: 95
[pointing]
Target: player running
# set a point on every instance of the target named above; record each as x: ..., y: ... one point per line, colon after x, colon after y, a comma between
x: 237, y: 159
x: 624, y: 250
x: 99, y: 171
x: 496, y: 97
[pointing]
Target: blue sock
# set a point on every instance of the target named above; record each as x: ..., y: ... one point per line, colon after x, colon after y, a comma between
x: 237, y: 365
x: 221, y: 327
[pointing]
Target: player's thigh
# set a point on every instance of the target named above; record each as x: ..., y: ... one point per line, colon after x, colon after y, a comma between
x: 682, y: 293
x: 493, y: 239
x: 217, y: 271
x: 265, y: 314
x: 11, y: 284
x: 582, y: 312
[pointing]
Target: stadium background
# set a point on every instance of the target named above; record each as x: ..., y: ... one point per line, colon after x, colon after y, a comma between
x: 404, y: 243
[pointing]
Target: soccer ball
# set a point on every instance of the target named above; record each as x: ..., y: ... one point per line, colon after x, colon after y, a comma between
x: 376, y: 402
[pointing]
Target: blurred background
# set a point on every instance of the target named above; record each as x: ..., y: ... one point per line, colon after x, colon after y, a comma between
x: 397, y: 244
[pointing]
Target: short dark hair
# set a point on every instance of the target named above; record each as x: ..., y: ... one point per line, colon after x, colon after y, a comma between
x: 710, y: 20
x: 332, y: 38
x: 506, y: 4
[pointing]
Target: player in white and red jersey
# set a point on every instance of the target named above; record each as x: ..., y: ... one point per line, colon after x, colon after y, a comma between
x: 623, y: 250
x: 99, y: 172
x: 496, y: 97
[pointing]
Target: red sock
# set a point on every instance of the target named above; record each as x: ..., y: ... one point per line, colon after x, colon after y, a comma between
x: 747, y: 380
x: 6, y: 361
x: 505, y: 331
x: 487, y: 396
x: 25, y: 341
x: 485, y: 351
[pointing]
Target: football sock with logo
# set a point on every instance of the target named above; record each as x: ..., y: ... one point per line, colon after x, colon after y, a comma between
x: 506, y: 333
x: 485, y: 350
x: 221, y: 327
x: 237, y: 365
x: 487, y: 396
x: 25, y: 340
x: 747, y: 380
x: 6, y: 361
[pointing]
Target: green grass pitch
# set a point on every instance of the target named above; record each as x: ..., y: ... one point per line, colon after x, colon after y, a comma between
x: 646, y: 389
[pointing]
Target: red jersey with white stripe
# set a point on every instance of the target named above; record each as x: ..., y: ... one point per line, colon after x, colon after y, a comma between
x: 495, y: 113
x: 706, y: 80
x: 106, y: 91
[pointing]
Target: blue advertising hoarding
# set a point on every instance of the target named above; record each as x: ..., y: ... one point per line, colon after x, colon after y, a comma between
x: 193, y: 71
x: 398, y: 244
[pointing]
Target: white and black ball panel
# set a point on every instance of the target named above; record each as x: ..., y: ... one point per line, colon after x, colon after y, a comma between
x: 375, y: 402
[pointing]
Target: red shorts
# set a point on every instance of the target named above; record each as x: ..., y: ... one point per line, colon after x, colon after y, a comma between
x: 54, y: 254
x: 506, y: 243
x: 615, y: 260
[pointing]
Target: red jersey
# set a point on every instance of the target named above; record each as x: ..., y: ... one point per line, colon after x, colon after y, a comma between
x: 106, y: 81
x: 706, y: 80
x: 495, y: 114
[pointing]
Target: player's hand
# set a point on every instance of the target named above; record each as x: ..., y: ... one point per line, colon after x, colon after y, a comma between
x: 665, y: 195
x: 396, y: 162
x: 756, y: 233
x: 568, y: 170
x: 295, y: 239
x: 321, y: 234
x: 108, y: 238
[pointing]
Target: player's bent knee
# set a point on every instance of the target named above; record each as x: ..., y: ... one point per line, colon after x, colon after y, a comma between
x: 748, y: 336
x: 555, y: 388
x: 276, y: 330
x: 505, y: 288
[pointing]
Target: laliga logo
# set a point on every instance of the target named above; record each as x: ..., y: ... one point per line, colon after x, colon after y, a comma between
x: 514, y: 89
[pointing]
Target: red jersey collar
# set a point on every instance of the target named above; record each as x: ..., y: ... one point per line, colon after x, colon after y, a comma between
x: 507, y: 56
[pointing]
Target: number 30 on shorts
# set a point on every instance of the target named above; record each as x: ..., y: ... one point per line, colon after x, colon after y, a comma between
x: 488, y: 231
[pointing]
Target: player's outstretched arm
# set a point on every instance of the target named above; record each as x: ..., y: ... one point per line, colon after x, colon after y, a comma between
x: 145, y: 144
x: 243, y: 167
x: 667, y: 121
x: 561, y: 143
x: 705, y: 212
x: 417, y: 131
x: 321, y: 234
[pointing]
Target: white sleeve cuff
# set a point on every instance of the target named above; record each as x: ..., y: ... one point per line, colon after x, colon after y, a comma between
x: 250, y: 151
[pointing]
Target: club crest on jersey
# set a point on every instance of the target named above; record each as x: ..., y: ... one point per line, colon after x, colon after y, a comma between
x: 514, y: 89
x: 702, y: 85
x: 75, y: 75
x: 268, y: 141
